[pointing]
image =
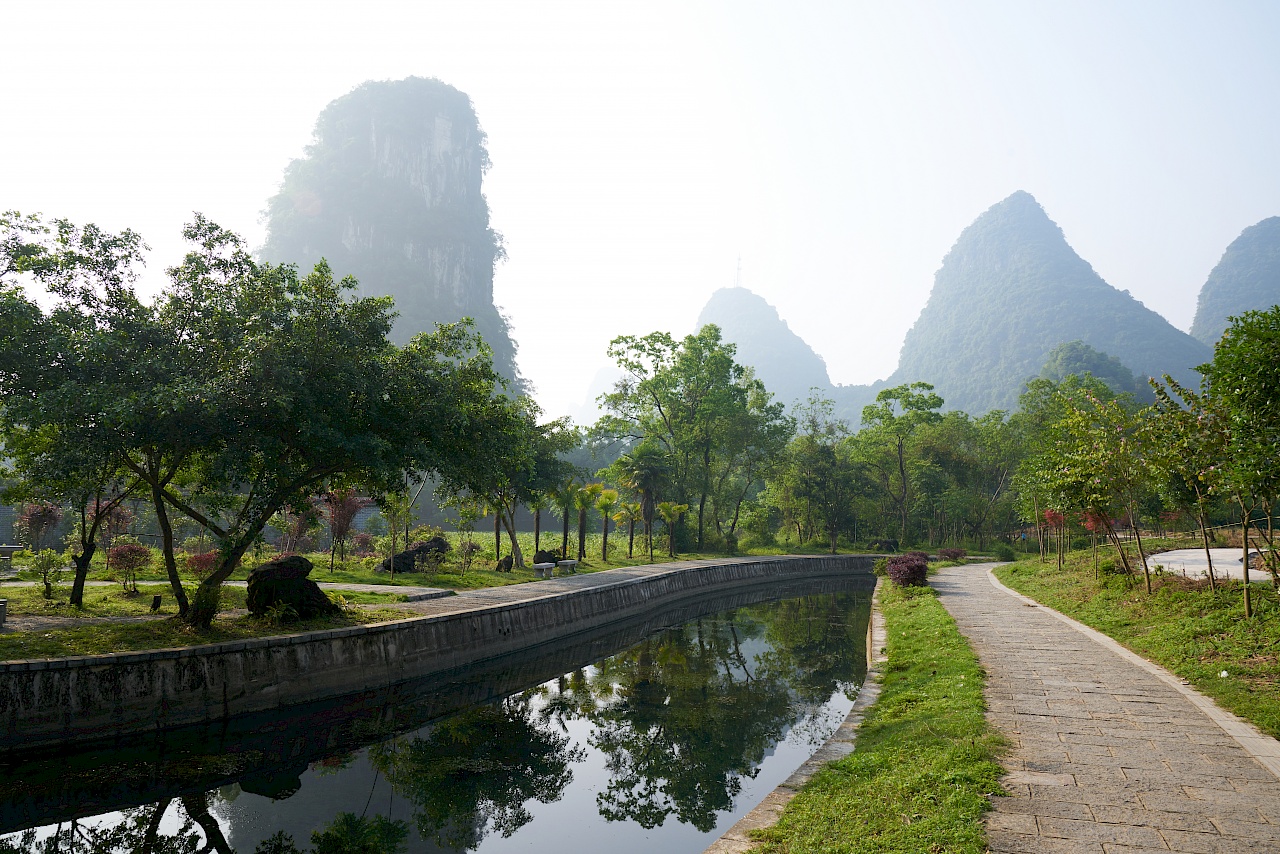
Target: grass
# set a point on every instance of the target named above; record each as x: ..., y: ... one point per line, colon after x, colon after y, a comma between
x: 1182, y: 625
x: 925, y: 759
x: 96, y: 637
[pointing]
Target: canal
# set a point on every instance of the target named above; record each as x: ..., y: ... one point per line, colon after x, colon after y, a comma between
x: 656, y: 734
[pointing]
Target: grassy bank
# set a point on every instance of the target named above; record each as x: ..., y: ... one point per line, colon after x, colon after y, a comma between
x: 1183, y: 626
x: 112, y: 621
x: 925, y: 758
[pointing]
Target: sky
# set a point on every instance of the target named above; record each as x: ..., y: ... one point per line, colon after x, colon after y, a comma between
x: 825, y: 155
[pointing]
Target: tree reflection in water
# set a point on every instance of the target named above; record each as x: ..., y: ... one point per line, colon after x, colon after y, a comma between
x: 473, y: 773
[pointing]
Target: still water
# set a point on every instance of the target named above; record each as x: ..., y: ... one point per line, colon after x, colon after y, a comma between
x: 657, y: 734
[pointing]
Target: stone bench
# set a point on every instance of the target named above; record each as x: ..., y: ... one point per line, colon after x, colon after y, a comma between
x: 567, y: 567
x: 543, y: 570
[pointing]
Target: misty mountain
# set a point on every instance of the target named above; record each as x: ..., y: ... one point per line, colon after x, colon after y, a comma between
x: 389, y: 190
x: 782, y: 360
x: 1247, y: 277
x: 1011, y: 290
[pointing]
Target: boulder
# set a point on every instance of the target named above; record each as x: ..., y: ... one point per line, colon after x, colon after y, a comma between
x: 505, y: 564
x: 284, y: 581
x: 544, y: 556
x: 412, y: 558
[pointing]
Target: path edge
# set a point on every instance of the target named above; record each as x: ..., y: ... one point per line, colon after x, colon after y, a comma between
x: 1262, y: 747
x: 737, y: 839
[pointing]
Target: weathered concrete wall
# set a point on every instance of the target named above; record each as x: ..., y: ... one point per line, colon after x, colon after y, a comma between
x: 60, y: 700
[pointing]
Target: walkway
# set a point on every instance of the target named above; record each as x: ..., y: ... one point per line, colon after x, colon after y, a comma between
x: 1108, y: 752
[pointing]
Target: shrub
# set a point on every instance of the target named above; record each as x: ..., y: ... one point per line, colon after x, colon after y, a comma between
x: 952, y: 554
x: 920, y: 556
x: 202, y: 564
x: 908, y: 570
x: 1004, y: 552
x: 362, y: 544
x: 881, y: 566
x: 128, y: 559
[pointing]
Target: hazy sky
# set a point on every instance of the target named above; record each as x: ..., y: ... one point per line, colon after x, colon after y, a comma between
x: 639, y: 149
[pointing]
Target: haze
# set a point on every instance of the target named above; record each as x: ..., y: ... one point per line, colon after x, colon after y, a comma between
x: 640, y: 150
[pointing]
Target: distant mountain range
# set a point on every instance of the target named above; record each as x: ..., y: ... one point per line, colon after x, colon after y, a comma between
x: 1013, y: 301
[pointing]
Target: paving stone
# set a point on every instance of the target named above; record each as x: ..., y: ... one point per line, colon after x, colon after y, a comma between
x: 1108, y: 753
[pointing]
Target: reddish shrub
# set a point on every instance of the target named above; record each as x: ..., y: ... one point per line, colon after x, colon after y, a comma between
x: 908, y: 570
x: 952, y: 554
x: 202, y: 564
x: 362, y: 544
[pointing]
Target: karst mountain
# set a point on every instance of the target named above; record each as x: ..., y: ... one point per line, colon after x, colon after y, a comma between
x: 389, y: 191
x: 1247, y: 278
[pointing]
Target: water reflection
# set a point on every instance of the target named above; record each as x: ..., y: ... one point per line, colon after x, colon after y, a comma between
x: 665, y: 736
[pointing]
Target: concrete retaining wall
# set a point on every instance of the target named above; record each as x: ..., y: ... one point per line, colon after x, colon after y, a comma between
x: 93, y: 697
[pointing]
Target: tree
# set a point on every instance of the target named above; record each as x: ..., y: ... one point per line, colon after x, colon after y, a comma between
x: 1242, y: 387
x: 670, y: 512
x: 693, y: 401
x: 281, y: 384
x: 563, y: 494
x: 629, y: 512
x: 583, y: 501
x: 646, y: 472
x: 891, y: 423
x: 128, y: 558
x: 340, y: 506
x: 39, y: 519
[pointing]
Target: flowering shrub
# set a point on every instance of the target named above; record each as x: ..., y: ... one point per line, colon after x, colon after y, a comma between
x: 908, y: 570
x: 952, y: 554
x: 362, y: 544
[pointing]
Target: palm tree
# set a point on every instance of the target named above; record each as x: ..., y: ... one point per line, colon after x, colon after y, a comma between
x: 671, y: 513
x: 563, y: 497
x: 629, y: 512
x: 607, y: 500
x: 645, y: 471
x: 584, y: 500
x: 537, y: 504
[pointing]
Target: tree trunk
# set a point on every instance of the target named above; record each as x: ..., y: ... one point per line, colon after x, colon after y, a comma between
x: 82, y: 562
x: 497, y: 534
x: 1244, y: 539
x: 198, y: 808
x: 582, y: 535
x: 1204, y: 536
x: 537, y: 529
x: 517, y: 557
x: 171, y: 563
x: 564, y: 543
x: 702, y: 503
x: 631, y: 537
x: 604, y: 541
x: 1142, y: 556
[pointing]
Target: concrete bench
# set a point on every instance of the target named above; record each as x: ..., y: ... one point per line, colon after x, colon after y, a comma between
x: 567, y: 567
x: 543, y: 570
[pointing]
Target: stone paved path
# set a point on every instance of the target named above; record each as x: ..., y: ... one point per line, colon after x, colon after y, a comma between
x: 1106, y: 755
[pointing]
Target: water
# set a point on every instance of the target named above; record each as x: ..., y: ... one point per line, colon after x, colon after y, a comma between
x: 657, y: 734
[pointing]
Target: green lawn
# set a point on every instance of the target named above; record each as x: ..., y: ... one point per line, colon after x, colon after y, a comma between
x: 1182, y: 625
x: 925, y: 759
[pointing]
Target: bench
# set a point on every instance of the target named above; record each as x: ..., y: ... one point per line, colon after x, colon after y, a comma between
x: 567, y: 567
x: 543, y: 570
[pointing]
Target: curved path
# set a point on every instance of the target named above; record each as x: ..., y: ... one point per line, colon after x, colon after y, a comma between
x: 1109, y: 753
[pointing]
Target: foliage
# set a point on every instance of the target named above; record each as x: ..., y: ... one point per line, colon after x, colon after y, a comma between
x: 952, y: 554
x: 128, y: 558
x: 340, y: 506
x: 37, y: 521
x: 1003, y: 552
x: 908, y: 570
x: 48, y: 564
x: 201, y: 564
x: 1076, y: 358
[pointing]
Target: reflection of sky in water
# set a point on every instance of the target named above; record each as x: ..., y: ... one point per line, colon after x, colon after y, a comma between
x: 571, y: 823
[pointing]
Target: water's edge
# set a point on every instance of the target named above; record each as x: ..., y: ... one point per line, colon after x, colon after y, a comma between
x: 76, y: 700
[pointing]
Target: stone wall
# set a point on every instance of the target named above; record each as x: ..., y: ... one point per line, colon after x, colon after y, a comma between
x: 105, y: 696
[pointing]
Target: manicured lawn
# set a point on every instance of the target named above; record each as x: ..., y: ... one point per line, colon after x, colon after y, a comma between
x: 1182, y: 625
x: 925, y: 759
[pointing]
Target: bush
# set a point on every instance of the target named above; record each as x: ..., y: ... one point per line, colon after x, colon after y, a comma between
x: 908, y: 570
x: 1004, y: 552
x: 128, y: 559
x: 881, y: 566
x: 202, y: 564
x: 952, y: 554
